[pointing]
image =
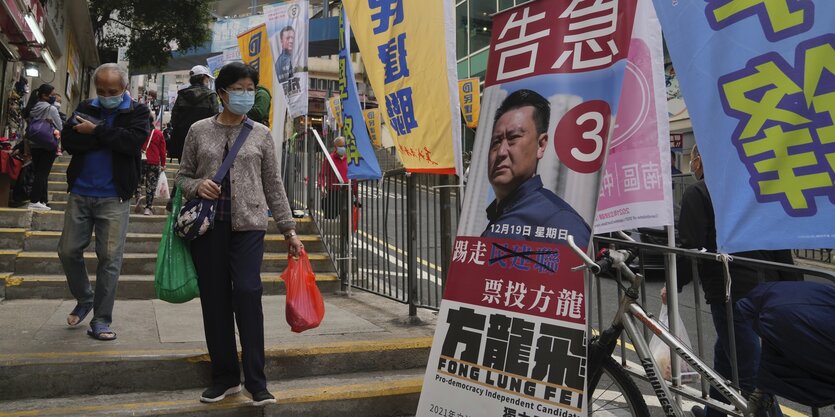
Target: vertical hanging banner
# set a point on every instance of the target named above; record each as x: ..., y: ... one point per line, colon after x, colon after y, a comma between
x: 412, y: 45
x: 287, y: 26
x: 511, y: 333
x: 636, y: 189
x: 215, y: 63
x: 372, y: 121
x: 758, y: 80
x: 255, y: 51
x: 469, y: 91
x: 362, y: 162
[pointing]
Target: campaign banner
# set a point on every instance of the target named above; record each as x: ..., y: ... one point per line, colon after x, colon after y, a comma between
x: 412, y: 53
x: 511, y: 330
x: 232, y: 54
x: 255, y: 51
x: 469, y: 92
x: 757, y: 77
x: 215, y: 63
x: 287, y: 26
x: 636, y: 189
x: 362, y: 162
x: 372, y: 122
x: 225, y: 31
x: 335, y: 106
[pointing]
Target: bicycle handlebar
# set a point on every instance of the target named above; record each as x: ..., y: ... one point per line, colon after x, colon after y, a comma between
x: 609, y: 259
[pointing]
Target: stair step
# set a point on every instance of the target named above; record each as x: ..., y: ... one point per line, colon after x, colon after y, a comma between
x: 54, y: 221
x: 62, y: 185
x: 47, y: 241
x: 47, y: 263
x: 60, y: 176
x: 62, y: 374
x: 131, y: 287
x: 369, y: 394
x: 62, y: 196
x: 60, y: 166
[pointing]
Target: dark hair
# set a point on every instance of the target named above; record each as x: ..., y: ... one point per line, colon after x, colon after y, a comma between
x: 197, y: 79
x: 286, y: 29
x: 35, y: 96
x: 232, y: 73
x: 524, y: 98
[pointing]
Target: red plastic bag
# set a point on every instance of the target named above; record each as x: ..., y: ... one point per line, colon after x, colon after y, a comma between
x: 305, y: 308
x: 356, y: 219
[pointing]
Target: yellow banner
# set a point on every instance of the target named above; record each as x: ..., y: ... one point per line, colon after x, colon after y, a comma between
x: 372, y: 120
x: 413, y: 48
x: 255, y: 51
x: 336, y: 110
x: 469, y: 92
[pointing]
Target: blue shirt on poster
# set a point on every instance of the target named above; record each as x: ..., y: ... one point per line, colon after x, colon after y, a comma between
x: 96, y: 176
x: 534, y: 213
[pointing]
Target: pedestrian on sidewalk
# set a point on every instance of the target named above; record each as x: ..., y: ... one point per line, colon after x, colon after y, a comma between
x: 40, y: 107
x: 105, y: 137
x: 194, y: 103
x: 228, y: 257
x: 697, y: 230
x: 152, y: 165
x: 333, y: 193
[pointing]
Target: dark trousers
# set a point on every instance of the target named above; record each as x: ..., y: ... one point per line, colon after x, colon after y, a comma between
x: 229, y: 276
x: 42, y: 161
x: 747, y: 353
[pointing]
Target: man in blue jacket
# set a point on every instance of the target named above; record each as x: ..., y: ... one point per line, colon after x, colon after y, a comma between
x: 104, y: 136
x: 524, y: 209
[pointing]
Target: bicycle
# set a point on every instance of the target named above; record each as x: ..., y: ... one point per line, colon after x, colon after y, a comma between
x: 605, y: 374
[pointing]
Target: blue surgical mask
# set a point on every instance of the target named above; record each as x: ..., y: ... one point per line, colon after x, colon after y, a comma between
x: 110, y: 102
x: 240, y: 102
x: 341, y: 151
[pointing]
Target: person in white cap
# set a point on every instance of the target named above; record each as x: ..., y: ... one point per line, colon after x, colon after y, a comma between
x: 194, y: 103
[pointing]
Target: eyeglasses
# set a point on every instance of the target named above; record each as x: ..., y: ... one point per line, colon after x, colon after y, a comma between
x: 238, y: 90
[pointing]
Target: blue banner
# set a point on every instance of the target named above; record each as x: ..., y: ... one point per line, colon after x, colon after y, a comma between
x: 757, y: 76
x: 362, y: 163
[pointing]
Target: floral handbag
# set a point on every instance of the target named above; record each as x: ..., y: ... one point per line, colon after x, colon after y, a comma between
x: 198, y: 215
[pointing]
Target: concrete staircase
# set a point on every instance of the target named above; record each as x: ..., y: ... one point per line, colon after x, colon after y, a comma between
x: 364, y: 360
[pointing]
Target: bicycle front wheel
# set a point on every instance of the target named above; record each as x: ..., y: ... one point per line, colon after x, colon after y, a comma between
x: 615, y: 394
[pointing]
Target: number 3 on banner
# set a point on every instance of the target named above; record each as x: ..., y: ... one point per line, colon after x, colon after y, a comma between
x: 580, y: 137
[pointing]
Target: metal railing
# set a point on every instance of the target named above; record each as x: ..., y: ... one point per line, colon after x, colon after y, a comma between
x: 820, y: 255
x: 402, y: 226
x: 647, y: 253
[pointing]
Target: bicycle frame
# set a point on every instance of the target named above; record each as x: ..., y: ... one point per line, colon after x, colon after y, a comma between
x: 629, y: 311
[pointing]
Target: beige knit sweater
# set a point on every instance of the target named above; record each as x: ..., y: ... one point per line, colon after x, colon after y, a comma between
x: 255, y: 179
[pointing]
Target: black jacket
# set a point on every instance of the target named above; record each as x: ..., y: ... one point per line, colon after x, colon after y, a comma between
x: 697, y: 229
x: 194, y: 103
x: 124, y: 139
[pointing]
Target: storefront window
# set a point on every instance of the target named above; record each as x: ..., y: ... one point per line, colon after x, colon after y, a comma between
x: 481, y: 22
x: 461, y: 30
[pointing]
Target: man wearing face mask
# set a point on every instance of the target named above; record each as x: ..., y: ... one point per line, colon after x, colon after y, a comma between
x: 105, y: 137
x: 697, y: 230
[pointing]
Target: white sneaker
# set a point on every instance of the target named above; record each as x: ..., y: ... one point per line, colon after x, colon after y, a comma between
x: 39, y: 207
x: 148, y: 212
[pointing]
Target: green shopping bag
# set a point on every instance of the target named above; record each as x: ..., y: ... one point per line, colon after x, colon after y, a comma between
x: 175, y: 278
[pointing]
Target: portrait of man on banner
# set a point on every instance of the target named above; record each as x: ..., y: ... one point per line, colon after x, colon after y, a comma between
x: 284, y: 64
x: 518, y: 142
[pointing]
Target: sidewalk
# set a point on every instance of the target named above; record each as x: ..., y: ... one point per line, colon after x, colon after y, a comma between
x: 35, y: 329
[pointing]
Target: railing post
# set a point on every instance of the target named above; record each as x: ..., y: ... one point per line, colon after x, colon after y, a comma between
x: 311, y: 172
x: 446, y: 228
x: 411, y: 243
x: 344, y: 237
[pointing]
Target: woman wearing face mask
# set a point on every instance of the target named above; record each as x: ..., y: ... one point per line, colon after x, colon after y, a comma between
x: 329, y: 182
x: 40, y: 107
x: 228, y: 257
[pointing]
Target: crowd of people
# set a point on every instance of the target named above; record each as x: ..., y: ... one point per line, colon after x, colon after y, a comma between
x: 117, y: 150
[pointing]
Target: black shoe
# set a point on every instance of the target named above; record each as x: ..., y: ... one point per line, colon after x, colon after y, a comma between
x: 698, y: 411
x: 218, y: 392
x: 262, y: 398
